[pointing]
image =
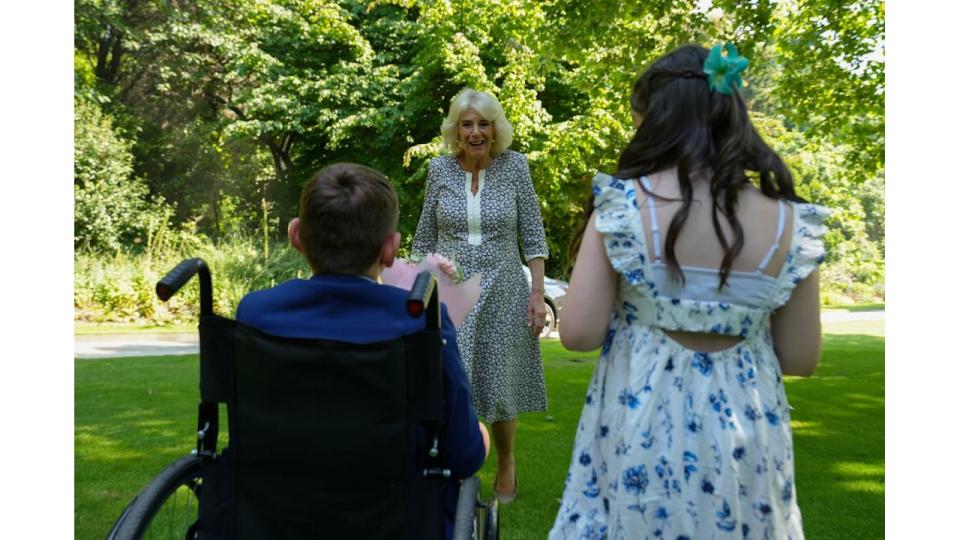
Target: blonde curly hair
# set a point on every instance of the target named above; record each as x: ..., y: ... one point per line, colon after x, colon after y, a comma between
x: 489, y: 108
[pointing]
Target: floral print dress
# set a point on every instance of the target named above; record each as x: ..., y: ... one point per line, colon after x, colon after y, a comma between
x: 481, y: 233
x: 674, y: 443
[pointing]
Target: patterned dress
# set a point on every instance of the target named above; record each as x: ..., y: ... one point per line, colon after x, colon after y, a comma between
x: 674, y: 443
x: 479, y: 232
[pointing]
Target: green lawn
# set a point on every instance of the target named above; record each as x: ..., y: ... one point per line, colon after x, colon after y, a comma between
x: 875, y: 306
x: 94, y: 329
x: 135, y: 415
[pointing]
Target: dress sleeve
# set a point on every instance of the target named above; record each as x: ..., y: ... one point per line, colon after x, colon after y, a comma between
x: 806, y: 249
x: 529, y: 219
x: 425, y: 239
x: 623, y: 237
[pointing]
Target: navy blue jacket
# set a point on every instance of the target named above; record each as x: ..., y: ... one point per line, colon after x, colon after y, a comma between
x: 356, y: 309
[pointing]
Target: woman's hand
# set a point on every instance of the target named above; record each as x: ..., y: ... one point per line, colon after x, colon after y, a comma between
x: 536, y: 312
x: 446, y: 266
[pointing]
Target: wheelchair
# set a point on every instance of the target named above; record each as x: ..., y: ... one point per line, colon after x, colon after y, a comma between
x: 320, y: 437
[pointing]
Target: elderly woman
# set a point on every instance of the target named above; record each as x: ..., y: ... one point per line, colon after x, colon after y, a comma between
x: 479, y: 198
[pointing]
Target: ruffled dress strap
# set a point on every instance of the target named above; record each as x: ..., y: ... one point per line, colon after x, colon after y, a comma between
x: 806, y: 250
x: 618, y: 220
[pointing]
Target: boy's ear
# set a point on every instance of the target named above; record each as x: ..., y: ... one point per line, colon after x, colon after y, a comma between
x: 293, y: 231
x: 388, y: 253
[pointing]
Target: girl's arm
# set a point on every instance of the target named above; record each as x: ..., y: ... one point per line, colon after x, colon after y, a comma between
x: 796, y: 329
x: 591, y: 295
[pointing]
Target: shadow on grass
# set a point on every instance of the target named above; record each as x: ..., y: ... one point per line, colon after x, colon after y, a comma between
x: 838, y: 442
x: 133, y: 417
x: 838, y: 434
x: 136, y: 415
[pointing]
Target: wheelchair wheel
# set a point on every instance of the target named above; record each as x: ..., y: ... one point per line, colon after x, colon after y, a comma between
x: 490, y: 529
x: 167, y: 507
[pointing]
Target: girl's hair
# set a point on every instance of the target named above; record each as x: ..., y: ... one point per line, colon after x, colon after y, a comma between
x: 688, y: 126
x: 487, y: 107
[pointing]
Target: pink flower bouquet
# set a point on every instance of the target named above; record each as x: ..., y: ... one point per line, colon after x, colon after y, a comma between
x: 458, y: 294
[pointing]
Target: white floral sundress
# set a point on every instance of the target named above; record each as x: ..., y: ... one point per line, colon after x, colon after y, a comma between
x: 678, y: 444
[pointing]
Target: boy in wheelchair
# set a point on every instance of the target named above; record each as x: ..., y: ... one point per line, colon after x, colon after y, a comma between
x: 346, y: 230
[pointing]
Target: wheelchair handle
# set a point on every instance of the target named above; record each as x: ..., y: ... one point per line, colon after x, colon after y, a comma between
x: 424, y: 296
x: 179, y: 276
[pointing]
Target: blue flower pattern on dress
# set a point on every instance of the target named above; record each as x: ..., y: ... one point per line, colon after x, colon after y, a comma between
x: 629, y: 399
x: 678, y: 444
x: 635, y: 480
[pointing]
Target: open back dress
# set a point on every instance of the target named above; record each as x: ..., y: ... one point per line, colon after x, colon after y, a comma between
x: 675, y: 443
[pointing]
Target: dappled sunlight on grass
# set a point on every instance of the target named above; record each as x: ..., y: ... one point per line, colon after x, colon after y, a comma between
x: 866, y: 486
x: 132, y: 418
x: 861, y: 476
x: 838, y: 427
x: 135, y: 416
x: 810, y: 429
x: 89, y: 446
x: 859, y: 468
x: 870, y: 400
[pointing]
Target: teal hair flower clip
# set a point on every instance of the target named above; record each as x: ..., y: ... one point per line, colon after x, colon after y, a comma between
x: 723, y: 72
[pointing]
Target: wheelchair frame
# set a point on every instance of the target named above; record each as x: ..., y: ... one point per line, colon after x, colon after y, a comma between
x: 184, y: 478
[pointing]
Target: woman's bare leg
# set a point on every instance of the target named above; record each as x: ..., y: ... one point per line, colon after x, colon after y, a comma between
x: 504, y: 434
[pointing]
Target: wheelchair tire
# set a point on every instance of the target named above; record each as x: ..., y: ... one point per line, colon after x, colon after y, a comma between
x: 491, y: 525
x: 167, y: 507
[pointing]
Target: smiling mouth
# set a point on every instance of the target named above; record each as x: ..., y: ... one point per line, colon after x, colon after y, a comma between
x: 478, y: 144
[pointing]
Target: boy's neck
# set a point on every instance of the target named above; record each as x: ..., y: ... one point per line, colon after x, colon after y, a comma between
x: 373, y: 272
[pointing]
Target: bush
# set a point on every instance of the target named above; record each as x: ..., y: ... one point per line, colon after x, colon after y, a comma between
x: 120, y: 288
x: 111, y: 207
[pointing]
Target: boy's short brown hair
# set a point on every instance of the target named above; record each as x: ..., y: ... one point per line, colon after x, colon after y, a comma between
x: 346, y: 212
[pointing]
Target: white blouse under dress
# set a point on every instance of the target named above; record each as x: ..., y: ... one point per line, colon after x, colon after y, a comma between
x: 479, y: 232
x: 674, y: 443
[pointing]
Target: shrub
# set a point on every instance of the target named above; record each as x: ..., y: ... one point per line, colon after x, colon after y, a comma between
x: 120, y: 288
x: 111, y: 207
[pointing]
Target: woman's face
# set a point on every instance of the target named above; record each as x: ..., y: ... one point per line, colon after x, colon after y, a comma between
x: 476, y: 134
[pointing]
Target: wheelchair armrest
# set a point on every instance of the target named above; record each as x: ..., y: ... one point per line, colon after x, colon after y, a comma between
x: 466, y: 508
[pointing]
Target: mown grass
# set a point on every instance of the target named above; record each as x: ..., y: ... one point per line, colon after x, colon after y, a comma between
x: 135, y: 415
x: 81, y: 328
x: 873, y: 306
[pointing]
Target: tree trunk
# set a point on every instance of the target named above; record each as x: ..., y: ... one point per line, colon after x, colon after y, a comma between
x: 109, y: 53
x: 282, y: 165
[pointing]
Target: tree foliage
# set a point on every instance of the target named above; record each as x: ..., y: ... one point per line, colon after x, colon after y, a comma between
x: 232, y: 104
x: 111, y: 208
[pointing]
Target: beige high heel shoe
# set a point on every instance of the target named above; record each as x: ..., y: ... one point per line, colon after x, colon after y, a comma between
x: 508, y: 497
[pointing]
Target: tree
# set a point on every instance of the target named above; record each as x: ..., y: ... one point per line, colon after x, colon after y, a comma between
x: 830, y: 80
x: 111, y: 208
x: 233, y: 104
